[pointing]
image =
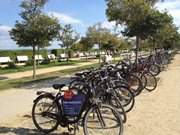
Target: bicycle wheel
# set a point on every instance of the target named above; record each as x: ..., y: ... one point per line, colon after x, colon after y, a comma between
x: 126, y: 97
x: 143, y: 79
x: 102, y: 120
x: 115, y: 102
x: 154, y: 69
x: 45, y: 114
x: 134, y: 83
x: 151, y: 82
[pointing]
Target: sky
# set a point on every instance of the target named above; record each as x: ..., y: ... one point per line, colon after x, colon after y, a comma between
x: 80, y: 13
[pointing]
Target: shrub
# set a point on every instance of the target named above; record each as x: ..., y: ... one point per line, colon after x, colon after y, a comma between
x: 46, y: 61
x: 57, y: 52
x: 29, y: 63
x: 13, y: 53
x: 97, y: 56
x: 12, y: 65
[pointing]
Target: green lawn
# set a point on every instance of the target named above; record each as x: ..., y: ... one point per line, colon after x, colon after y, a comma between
x: 16, y: 83
x: 26, y: 68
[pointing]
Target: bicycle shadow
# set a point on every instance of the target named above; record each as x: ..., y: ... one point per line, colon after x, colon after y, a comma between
x: 45, y: 83
x: 3, y: 78
x: 24, y: 131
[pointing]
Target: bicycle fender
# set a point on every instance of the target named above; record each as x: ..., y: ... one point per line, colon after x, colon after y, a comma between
x: 42, y: 95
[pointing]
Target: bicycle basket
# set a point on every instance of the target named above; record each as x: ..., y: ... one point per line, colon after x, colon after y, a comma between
x: 73, y: 106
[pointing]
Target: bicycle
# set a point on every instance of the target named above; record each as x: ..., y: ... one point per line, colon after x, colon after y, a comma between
x: 51, y: 110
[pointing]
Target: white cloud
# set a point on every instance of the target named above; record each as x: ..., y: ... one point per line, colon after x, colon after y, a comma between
x: 4, y: 31
x: 112, y: 26
x: 4, y: 28
x: 108, y: 25
x: 64, y: 18
x: 173, y: 8
x: 5, y: 41
x: 168, y: 4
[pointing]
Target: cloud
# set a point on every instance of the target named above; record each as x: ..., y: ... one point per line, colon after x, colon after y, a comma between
x: 108, y: 25
x: 4, y: 31
x: 112, y: 26
x: 64, y: 18
x: 168, y: 4
x: 173, y: 8
x: 5, y: 41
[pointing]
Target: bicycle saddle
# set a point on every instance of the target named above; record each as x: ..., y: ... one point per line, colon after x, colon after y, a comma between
x: 79, y: 74
x: 58, y: 86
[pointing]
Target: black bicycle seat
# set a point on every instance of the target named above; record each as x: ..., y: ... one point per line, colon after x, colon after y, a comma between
x: 58, y: 86
x: 79, y: 74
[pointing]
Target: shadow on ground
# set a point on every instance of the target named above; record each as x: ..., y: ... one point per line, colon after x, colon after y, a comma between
x: 47, y: 83
x: 3, y: 78
x: 24, y: 131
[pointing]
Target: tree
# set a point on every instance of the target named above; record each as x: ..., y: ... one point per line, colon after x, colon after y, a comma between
x: 138, y: 17
x: 103, y: 37
x: 163, y: 21
x: 84, y: 45
x: 36, y: 29
x: 68, y: 37
x: 166, y: 37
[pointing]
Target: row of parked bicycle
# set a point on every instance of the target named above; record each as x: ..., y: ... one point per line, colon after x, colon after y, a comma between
x: 98, y: 99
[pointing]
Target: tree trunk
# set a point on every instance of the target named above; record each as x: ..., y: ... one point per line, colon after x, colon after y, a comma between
x: 86, y: 57
x: 67, y: 54
x: 99, y: 57
x: 38, y: 55
x: 154, y: 46
x: 34, y: 62
x: 99, y: 54
x: 137, y: 49
x: 114, y: 55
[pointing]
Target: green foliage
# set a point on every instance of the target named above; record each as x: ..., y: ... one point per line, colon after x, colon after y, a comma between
x: 141, y: 20
x: 29, y: 63
x: 67, y: 36
x: 166, y: 37
x: 86, y: 43
x: 150, y: 25
x: 46, y: 61
x: 57, y: 52
x: 11, y: 65
x: 39, y: 33
x: 13, y: 53
x: 36, y: 29
x: 96, y: 34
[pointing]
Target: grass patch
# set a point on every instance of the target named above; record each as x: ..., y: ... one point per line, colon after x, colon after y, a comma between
x: 27, y: 68
x: 16, y: 83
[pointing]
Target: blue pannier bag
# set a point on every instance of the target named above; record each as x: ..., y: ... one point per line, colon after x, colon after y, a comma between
x: 73, y: 106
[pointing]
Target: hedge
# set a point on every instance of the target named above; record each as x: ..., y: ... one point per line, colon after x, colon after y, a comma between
x: 13, y: 53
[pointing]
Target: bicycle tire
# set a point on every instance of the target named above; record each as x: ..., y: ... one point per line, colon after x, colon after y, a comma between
x: 36, y: 123
x: 151, y: 82
x: 89, y: 117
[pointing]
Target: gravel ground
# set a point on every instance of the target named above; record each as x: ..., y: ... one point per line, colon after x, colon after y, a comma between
x: 155, y: 113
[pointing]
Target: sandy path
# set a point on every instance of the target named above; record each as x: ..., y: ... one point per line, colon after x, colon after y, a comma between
x: 155, y: 113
